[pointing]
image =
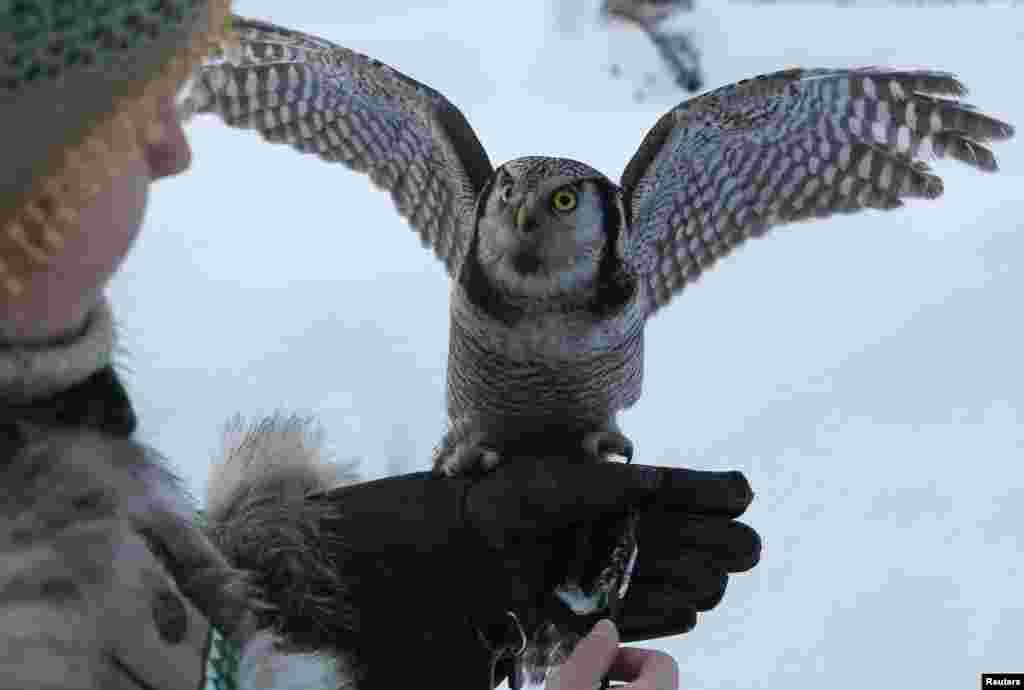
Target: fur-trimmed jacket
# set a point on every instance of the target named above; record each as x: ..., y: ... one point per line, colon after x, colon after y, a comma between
x: 109, y: 575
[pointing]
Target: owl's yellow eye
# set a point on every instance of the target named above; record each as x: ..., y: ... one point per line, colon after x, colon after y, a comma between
x: 563, y: 200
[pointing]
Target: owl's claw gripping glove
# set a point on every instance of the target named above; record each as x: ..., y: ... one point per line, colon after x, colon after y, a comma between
x: 431, y: 566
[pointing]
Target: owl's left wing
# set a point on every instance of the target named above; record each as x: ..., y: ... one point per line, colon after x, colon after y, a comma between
x: 783, y: 147
x: 323, y: 99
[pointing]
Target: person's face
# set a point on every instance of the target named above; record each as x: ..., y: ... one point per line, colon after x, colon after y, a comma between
x: 111, y: 222
x: 58, y: 298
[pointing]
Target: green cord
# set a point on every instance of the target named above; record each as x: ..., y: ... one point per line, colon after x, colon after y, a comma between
x: 224, y: 656
x: 222, y: 663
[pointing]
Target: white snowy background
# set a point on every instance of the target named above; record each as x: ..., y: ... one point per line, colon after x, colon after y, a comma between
x: 864, y: 372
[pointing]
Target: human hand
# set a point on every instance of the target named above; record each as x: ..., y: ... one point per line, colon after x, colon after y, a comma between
x: 598, y: 656
x: 417, y: 566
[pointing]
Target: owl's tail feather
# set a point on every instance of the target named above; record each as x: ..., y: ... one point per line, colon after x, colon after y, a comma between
x: 258, y: 514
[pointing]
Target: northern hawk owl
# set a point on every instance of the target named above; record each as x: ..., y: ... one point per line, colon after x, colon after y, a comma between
x: 556, y: 268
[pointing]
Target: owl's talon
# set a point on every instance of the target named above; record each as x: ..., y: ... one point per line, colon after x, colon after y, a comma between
x: 468, y: 456
x: 489, y: 459
x: 598, y: 445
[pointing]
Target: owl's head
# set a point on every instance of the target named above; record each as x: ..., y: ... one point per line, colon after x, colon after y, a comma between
x: 545, y: 225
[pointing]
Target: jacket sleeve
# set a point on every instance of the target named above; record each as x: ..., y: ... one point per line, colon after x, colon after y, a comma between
x: 98, y: 567
x: 106, y: 579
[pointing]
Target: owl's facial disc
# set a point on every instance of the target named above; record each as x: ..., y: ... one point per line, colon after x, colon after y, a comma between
x: 542, y: 244
x: 544, y: 238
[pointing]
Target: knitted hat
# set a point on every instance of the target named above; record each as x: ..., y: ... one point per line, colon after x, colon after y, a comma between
x: 79, y: 81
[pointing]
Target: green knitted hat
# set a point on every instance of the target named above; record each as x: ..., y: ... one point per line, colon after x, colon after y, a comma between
x: 79, y: 81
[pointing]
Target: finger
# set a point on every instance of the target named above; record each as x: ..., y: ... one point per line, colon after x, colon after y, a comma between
x: 690, y: 575
x: 645, y: 669
x: 610, y: 485
x: 591, y: 659
x: 732, y: 546
x: 655, y: 613
x: 646, y: 487
x: 703, y: 593
x: 529, y: 493
x: 712, y: 493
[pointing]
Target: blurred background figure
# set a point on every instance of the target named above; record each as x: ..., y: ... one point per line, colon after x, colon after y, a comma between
x: 644, y: 13
x: 676, y: 47
x: 675, y: 59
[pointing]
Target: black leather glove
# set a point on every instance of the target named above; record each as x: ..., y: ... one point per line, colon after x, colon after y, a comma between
x: 430, y: 563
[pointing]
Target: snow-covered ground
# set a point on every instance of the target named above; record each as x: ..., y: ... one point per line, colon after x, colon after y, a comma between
x: 865, y: 372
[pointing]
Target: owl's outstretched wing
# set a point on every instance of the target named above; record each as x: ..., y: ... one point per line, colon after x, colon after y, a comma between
x: 342, y: 106
x: 788, y: 146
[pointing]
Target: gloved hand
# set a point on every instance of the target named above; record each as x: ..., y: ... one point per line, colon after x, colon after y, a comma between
x: 429, y: 563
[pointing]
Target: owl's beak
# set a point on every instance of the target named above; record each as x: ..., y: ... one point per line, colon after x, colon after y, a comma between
x: 524, y: 223
x: 521, y: 217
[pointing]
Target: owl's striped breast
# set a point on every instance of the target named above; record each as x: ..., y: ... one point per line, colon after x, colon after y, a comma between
x: 562, y: 371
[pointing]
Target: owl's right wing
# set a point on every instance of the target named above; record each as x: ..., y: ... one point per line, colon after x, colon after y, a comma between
x: 327, y: 100
x: 783, y: 147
